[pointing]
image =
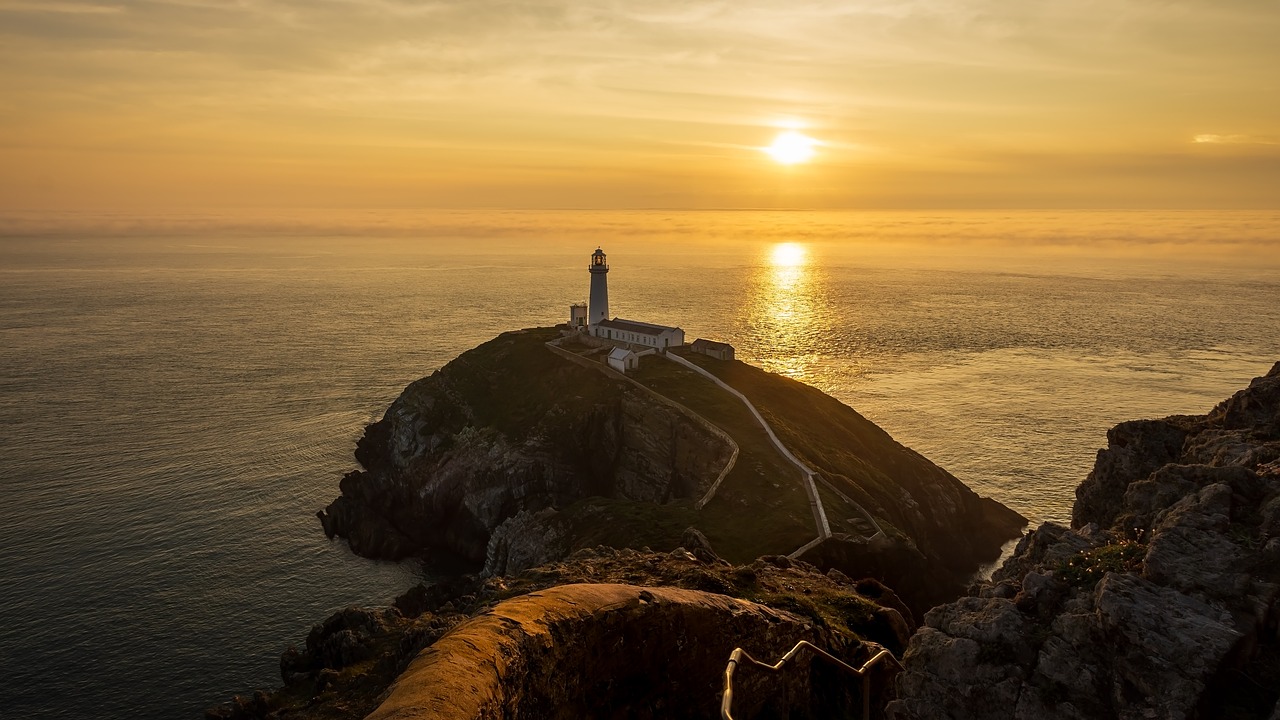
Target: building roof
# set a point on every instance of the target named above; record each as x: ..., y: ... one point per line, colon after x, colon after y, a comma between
x: 619, y: 353
x: 703, y: 343
x: 635, y: 326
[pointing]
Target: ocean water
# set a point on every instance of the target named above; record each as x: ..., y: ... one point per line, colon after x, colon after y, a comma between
x: 178, y: 397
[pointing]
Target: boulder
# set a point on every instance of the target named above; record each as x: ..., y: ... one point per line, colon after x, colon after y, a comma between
x: 588, y: 650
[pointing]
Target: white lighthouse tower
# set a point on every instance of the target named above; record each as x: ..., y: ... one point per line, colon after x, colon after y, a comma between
x: 599, y: 304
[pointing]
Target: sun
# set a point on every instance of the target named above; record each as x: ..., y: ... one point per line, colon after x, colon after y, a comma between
x: 791, y: 147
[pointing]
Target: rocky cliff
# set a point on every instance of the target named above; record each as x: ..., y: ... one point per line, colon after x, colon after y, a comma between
x: 1162, y: 600
x: 512, y: 455
x: 603, y: 633
x: 511, y: 428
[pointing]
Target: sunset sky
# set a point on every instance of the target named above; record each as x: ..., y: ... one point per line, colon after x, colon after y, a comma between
x: 150, y: 106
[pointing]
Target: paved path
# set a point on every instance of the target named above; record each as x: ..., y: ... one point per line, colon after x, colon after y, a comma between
x: 807, y: 473
x: 815, y: 502
x: 554, y: 346
x: 808, y: 476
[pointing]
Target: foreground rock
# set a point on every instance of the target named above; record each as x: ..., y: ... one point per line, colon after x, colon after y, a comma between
x: 1161, y: 600
x: 577, y: 651
x: 543, y: 641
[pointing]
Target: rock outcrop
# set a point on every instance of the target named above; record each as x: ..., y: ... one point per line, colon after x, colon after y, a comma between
x: 601, y: 629
x: 1161, y: 601
x: 658, y: 651
x: 513, y: 455
x: 510, y: 428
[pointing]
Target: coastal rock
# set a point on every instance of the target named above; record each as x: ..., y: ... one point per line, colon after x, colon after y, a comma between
x: 506, y: 428
x: 1160, y: 602
x: 512, y: 661
x: 526, y: 540
x: 345, y: 638
x: 696, y: 543
x: 514, y: 454
x: 1134, y: 450
x: 351, y: 659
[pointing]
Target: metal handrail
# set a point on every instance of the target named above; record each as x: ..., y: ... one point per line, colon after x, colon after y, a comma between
x: 739, y: 655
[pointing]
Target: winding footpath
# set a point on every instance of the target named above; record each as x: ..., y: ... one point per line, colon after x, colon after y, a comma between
x: 807, y: 474
x: 809, y: 478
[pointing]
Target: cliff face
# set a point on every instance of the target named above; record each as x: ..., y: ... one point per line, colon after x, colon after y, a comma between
x: 508, y: 428
x: 1162, y: 599
x: 514, y: 455
x: 649, y: 636
x: 666, y: 653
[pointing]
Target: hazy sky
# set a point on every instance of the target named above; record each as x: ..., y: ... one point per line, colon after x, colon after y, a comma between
x: 153, y: 105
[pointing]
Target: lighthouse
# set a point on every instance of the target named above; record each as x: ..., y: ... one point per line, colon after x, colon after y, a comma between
x: 642, y: 337
x: 598, y: 310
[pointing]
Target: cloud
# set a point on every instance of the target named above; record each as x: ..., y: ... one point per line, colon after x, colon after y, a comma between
x: 1215, y: 139
x: 404, y: 89
x: 70, y: 8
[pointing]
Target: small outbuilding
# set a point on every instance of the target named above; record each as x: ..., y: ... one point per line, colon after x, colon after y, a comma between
x: 623, y: 360
x: 578, y: 317
x: 718, y: 350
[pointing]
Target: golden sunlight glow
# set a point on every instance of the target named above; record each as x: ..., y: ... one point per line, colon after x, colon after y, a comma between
x: 785, y: 311
x: 791, y: 147
x: 788, y: 255
x: 435, y: 105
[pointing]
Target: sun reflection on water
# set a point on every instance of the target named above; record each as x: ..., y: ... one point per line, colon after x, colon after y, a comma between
x: 786, y: 311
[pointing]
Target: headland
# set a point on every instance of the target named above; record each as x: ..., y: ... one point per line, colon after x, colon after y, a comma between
x: 600, y: 584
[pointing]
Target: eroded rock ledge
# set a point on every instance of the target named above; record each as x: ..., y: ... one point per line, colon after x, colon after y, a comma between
x: 586, y: 650
x: 1161, y: 600
x: 351, y: 659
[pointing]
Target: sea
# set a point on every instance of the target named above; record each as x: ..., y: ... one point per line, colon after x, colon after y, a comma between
x: 180, y: 395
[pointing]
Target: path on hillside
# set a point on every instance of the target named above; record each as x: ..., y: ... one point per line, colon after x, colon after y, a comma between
x: 809, y: 477
x: 807, y: 473
x: 554, y: 346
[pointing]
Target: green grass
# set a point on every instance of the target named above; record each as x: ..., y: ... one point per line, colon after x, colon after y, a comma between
x: 841, y: 516
x: 845, y: 612
x: 496, y: 379
x: 1086, y: 568
x: 624, y: 523
x: 830, y: 437
x: 761, y: 507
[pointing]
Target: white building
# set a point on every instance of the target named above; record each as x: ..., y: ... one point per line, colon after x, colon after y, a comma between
x: 623, y: 360
x: 634, y: 332
x: 578, y: 317
x: 593, y: 318
x: 618, y: 330
x: 598, y: 308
